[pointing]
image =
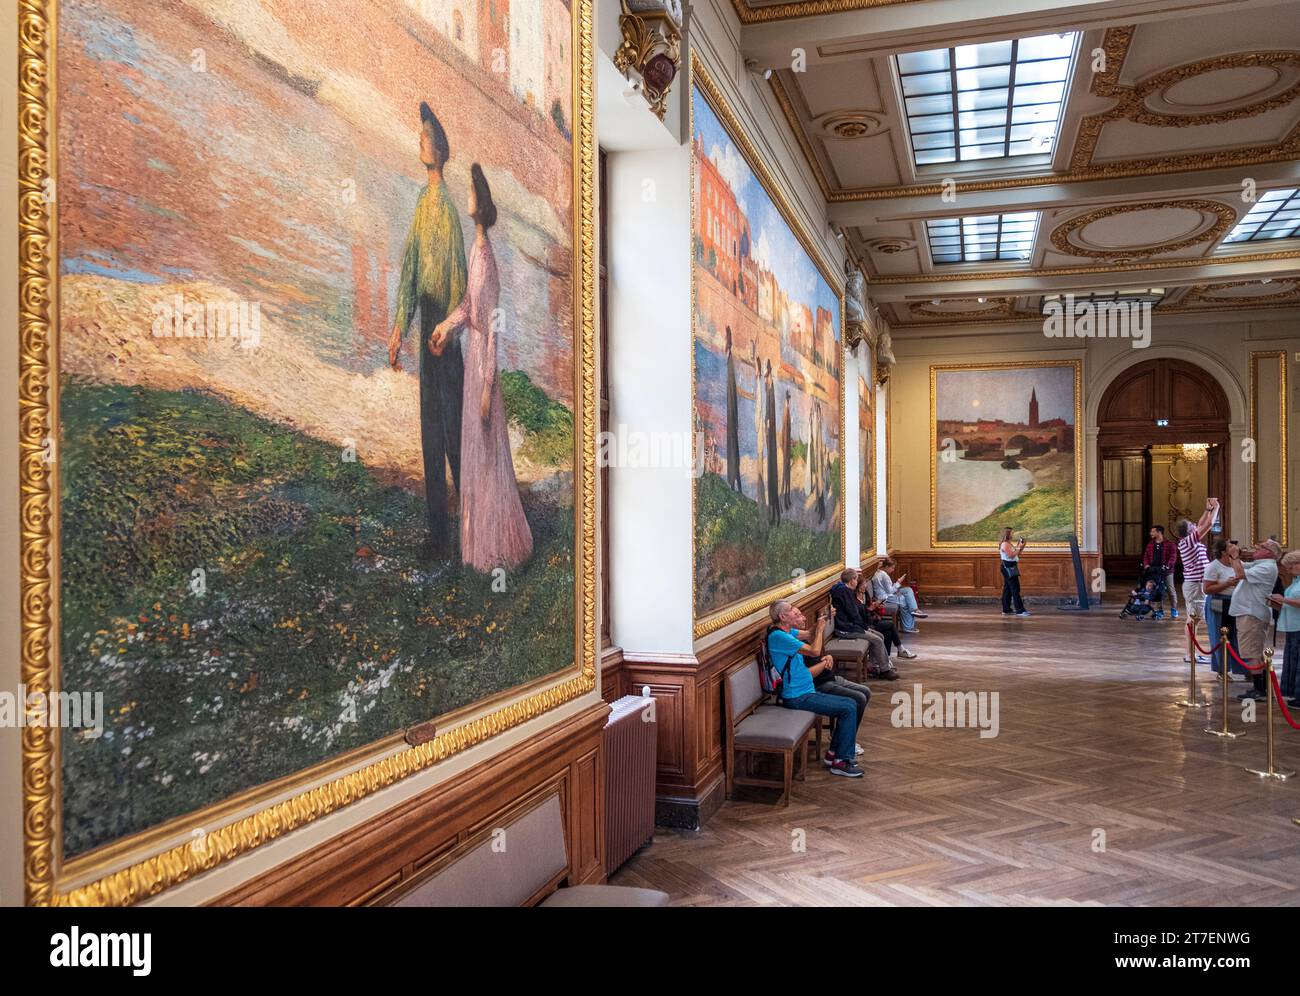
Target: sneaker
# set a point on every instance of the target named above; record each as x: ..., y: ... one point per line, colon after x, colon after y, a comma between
x: 1008, y: 613
x: 1202, y: 659
x: 1157, y: 615
x: 1025, y: 613
x: 913, y: 631
x: 1173, y: 613
x: 890, y: 675
x: 921, y: 615
x: 858, y: 750
x: 1250, y: 693
x: 829, y: 759
x: 905, y: 654
x: 846, y: 769
x: 1294, y: 703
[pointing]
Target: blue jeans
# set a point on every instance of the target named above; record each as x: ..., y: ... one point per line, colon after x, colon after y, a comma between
x: 905, y: 599
x: 841, y: 710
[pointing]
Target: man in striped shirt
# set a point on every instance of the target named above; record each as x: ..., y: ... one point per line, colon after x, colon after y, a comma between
x: 1191, y: 550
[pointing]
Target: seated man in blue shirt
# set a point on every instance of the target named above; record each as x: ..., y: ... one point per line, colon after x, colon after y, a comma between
x: 786, y: 645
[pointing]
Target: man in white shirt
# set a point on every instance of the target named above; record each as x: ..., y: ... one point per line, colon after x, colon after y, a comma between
x: 1250, y: 606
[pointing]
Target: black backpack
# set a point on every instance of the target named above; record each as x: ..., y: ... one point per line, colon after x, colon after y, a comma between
x: 769, y: 679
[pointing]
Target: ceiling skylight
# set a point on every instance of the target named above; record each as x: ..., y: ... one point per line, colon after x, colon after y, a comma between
x: 997, y: 100
x: 1276, y: 215
x: 982, y: 238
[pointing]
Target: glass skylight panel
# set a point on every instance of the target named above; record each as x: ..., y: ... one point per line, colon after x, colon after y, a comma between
x: 989, y: 101
x: 982, y: 238
x: 1276, y: 215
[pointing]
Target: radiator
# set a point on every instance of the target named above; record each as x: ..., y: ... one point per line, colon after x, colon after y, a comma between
x: 630, y: 740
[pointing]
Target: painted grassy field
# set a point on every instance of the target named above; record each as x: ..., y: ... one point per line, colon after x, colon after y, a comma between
x: 737, y: 554
x: 250, y: 602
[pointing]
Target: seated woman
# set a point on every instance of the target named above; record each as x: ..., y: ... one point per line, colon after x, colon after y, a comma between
x: 896, y: 596
x: 874, y: 612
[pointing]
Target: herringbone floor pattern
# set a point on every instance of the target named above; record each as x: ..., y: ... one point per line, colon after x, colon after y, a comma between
x: 1090, y: 742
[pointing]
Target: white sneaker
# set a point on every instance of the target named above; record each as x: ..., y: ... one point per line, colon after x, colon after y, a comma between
x: 857, y: 750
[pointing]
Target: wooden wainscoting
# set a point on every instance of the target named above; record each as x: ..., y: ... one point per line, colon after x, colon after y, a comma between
x: 975, y: 573
x: 687, y: 689
x: 369, y: 860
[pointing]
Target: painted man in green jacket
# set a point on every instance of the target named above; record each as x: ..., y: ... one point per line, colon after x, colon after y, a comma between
x: 433, y: 281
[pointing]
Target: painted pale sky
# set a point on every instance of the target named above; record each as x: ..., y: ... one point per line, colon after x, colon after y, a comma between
x: 1004, y: 394
x: 774, y: 245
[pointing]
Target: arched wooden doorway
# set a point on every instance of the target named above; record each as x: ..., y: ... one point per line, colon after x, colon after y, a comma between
x: 1147, y: 412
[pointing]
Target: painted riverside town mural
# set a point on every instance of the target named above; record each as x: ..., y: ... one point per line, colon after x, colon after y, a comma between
x: 316, y: 382
x: 767, y: 383
x: 1005, y: 451
x: 866, y: 468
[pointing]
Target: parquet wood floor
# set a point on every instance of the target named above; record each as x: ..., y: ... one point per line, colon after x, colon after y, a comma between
x: 1090, y: 742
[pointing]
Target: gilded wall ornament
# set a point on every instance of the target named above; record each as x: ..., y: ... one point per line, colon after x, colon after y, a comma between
x: 651, y: 47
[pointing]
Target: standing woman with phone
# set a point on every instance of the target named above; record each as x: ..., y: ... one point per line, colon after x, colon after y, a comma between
x: 1010, y: 554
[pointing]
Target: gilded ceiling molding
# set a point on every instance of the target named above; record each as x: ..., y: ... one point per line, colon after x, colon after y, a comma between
x: 793, y: 9
x: 792, y: 119
x: 1024, y: 317
x: 1115, y: 44
x: 1131, y: 101
x: 1072, y: 271
x: 994, y: 309
x: 1204, y: 294
x: 1226, y: 216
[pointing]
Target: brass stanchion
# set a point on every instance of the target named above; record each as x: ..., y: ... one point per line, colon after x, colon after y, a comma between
x: 1223, y: 683
x: 1271, y: 771
x: 1193, y: 700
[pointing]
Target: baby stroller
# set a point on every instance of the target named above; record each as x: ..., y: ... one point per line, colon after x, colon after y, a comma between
x: 1149, y: 593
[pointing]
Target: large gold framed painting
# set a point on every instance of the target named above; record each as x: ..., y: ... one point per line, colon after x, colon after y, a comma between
x: 769, y: 500
x: 307, y: 410
x: 1005, y: 452
x: 866, y: 469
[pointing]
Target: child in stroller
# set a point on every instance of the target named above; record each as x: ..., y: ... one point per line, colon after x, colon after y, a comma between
x: 1147, y: 599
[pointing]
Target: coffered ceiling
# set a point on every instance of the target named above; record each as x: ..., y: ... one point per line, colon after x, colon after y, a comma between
x: 1176, y: 119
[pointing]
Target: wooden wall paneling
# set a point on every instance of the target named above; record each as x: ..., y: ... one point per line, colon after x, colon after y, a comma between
x: 370, y: 859
x: 690, y: 780
x: 975, y: 573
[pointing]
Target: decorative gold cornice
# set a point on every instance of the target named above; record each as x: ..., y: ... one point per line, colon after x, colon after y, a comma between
x: 1225, y: 216
x: 1071, y: 271
x: 155, y: 873
x: 794, y: 9
x: 796, y: 127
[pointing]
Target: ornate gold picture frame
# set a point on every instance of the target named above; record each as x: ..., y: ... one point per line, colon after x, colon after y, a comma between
x: 711, y: 620
x: 1039, y: 438
x: 133, y: 868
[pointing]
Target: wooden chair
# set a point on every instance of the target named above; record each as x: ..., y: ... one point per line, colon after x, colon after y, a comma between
x: 850, y: 653
x: 753, y: 727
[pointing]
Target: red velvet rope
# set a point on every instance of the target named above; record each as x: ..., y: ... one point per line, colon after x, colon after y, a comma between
x: 1232, y: 650
x: 1197, y: 643
x: 1277, y: 690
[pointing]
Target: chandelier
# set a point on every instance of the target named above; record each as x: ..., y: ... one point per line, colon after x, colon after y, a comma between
x: 1195, y: 452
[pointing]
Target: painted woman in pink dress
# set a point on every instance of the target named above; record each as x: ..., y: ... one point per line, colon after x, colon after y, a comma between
x: 493, y: 530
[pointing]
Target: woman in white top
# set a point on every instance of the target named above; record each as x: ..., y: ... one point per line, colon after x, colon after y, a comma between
x: 1288, y: 622
x: 896, y: 595
x: 1218, y: 581
x: 1010, y: 566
